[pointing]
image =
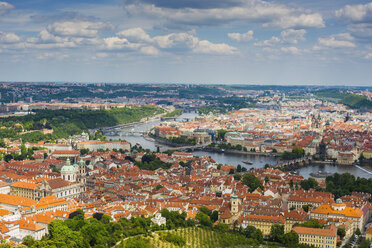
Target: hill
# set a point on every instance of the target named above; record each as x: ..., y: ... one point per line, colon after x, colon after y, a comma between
x: 353, y: 101
x: 192, y: 237
x: 69, y: 122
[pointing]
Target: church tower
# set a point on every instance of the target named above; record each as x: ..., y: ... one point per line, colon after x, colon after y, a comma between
x: 234, y: 204
x: 81, y: 175
x: 68, y: 172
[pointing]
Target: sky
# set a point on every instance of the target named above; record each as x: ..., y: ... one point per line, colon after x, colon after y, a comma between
x: 298, y: 42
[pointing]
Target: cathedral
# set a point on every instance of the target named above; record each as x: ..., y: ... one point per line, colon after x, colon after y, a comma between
x: 75, y: 173
x: 231, y: 211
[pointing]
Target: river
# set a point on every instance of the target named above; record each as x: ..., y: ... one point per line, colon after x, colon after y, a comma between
x: 233, y: 159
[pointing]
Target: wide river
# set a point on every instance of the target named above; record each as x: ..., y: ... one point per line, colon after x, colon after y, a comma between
x: 130, y: 135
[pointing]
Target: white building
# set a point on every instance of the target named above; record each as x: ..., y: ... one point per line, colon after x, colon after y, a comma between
x: 159, y: 220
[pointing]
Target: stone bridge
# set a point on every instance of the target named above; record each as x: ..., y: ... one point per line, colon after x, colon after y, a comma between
x: 298, y: 162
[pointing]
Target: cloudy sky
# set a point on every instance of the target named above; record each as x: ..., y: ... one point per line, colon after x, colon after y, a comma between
x: 194, y: 41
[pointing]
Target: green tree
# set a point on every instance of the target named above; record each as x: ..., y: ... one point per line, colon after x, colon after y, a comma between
x: 252, y: 182
x: 8, y: 157
x: 221, y: 134
x: 253, y: 233
x: 306, y: 207
x: 310, y: 183
x: 365, y: 244
x: 95, y: 233
x: 214, y: 216
x: 291, y: 184
x: 84, y: 151
x: 277, y: 232
x: 237, y: 177
x: 138, y: 242
x: 28, y: 241
x: 157, y: 187
x: 341, y: 232
x: 290, y: 239
x: 312, y: 224
x: 204, y: 219
x: 4, y: 244
x: 205, y: 210
x: 60, y: 235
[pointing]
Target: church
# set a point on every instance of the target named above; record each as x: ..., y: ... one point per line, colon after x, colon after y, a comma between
x: 231, y: 211
x: 70, y: 185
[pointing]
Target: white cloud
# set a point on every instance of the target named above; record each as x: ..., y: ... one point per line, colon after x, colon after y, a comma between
x: 45, y: 36
x: 134, y: 34
x: 273, y: 40
x: 245, y: 37
x: 205, y: 46
x: 357, y: 12
x: 292, y: 35
x: 78, y: 28
x: 52, y: 55
x: 292, y: 50
x: 361, y: 30
x: 303, y: 20
x: 5, y: 7
x: 176, y: 40
x: 116, y: 43
x: 269, y: 14
x: 9, y: 37
x: 149, y: 50
x: 343, y: 40
x: 368, y: 56
x: 137, y: 38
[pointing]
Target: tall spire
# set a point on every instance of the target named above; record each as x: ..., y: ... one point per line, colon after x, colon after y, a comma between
x: 234, y: 195
x: 81, y: 162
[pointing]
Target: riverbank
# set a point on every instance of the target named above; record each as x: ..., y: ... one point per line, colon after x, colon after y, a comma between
x: 235, y: 157
x: 131, y: 124
x: 166, y: 142
x: 231, y: 151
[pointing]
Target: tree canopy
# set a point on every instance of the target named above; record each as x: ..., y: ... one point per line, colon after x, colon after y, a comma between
x: 252, y: 182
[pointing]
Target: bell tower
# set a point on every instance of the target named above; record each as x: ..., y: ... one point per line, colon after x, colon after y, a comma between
x: 81, y: 175
x: 234, y: 203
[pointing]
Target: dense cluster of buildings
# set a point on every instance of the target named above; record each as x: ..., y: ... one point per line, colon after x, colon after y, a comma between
x: 106, y: 179
x: 33, y: 193
x: 331, y: 130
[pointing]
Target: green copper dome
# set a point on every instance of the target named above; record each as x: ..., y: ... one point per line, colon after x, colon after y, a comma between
x: 68, y: 168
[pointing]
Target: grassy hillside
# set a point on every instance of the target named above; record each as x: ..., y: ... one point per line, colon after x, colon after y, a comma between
x: 194, y: 237
x: 69, y: 122
x: 351, y: 100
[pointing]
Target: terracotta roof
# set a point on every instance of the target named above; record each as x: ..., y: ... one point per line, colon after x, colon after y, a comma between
x: 265, y: 218
x: 73, y: 152
x: 347, y: 212
x: 332, y: 231
x: 16, y: 200
x: 51, y: 200
x: 29, y: 225
x: 26, y: 185
x: 58, y: 183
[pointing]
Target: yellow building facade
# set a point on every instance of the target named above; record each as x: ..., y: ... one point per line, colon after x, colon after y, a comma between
x: 318, y: 237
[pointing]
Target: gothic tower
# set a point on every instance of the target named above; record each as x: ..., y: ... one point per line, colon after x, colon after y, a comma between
x: 81, y: 175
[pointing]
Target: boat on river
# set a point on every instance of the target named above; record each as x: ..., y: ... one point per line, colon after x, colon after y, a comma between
x: 247, y: 162
x: 321, y: 174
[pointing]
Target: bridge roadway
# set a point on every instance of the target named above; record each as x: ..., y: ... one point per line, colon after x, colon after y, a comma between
x: 302, y: 160
x: 187, y: 147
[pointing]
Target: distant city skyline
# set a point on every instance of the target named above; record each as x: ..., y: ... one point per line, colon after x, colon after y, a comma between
x: 187, y: 41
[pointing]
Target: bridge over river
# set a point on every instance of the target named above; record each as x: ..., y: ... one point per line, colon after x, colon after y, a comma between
x: 299, y: 162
